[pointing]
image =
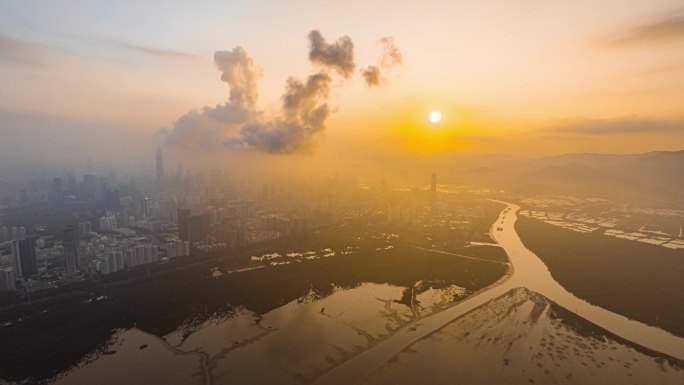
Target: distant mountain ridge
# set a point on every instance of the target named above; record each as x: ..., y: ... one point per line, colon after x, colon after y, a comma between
x: 657, y: 173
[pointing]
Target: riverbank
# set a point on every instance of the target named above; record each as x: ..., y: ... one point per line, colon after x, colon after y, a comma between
x: 641, y: 281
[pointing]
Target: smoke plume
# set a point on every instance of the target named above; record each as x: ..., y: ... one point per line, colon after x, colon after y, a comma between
x: 206, y: 128
x: 338, y: 55
x: 304, y: 109
x: 237, y: 69
x: 372, y: 76
x: 391, y: 57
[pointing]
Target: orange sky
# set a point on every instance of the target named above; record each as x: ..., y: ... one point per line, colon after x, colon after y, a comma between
x: 520, y: 76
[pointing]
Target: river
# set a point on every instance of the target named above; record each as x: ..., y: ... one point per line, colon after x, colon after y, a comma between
x: 528, y: 271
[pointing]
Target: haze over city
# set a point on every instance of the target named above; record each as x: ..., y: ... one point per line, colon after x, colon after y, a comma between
x: 341, y: 192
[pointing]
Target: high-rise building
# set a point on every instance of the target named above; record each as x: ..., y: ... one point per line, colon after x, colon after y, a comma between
x: 177, y: 248
x: 112, y: 199
x: 160, y: 163
x: 89, y: 186
x: 7, y: 279
x: 15, y: 257
x: 146, y: 208
x: 123, y: 216
x: 72, y: 185
x: 112, y: 262
x: 198, y: 227
x: 108, y: 222
x: 142, y: 255
x: 71, y: 249
x: 183, y: 232
x: 57, y: 189
x: 84, y: 228
x: 24, y: 257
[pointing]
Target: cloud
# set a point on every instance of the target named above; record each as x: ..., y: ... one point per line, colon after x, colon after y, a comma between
x: 391, y: 56
x: 238, y: 123
x: 237, y: 69
x: 626, y: 125
x: 338, y: 56
x: 666, y: 27
x: 372, y: 76
x: 304, y: 108
x: 304, y: 112
x: 161, y: 53
x: 19, y: 52
x: 207, y: 127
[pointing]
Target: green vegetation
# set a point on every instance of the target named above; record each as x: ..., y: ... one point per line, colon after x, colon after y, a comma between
x: 640, y: 281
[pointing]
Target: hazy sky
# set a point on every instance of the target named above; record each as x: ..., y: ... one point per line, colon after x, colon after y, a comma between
x: 511, y: 76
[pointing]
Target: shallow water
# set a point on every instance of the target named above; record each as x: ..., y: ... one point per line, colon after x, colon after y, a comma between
x: 339, y: 338
x: 294, y: 343
x: 527, y: 271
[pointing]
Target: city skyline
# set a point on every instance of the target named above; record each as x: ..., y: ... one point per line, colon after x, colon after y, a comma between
x: 341, y: 192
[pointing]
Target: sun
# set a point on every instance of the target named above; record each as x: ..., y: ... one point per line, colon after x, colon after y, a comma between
x: 435, y: 116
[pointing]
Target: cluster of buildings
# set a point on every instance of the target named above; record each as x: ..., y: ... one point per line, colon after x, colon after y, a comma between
x: 115, y: 223
x: 136, y: 255
x: 12, y: 233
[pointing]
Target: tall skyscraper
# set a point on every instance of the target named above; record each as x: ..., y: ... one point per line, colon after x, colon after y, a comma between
x: 71, y: 249
x: 57, y: 189
x: 89, y: 186
x: 183, y: 227
x: 160, y: 163
x: 24, y: 257
x: 198, y: 227
x: 112, y: 199
x: 15, y: 257
x: 7, y: 279
x: 146, y: 208
x: 84, y: 229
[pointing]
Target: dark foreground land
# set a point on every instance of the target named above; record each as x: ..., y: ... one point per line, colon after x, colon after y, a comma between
x: 50, y: 337
x: 640, y: 281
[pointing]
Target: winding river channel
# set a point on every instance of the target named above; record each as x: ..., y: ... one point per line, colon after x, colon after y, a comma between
x: 528, y: 271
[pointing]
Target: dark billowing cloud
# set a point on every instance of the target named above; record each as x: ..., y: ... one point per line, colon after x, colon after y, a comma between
x: 338, y: 55
x: 304, y: 107
x: 391, y: 57
x: 301, y: 100
x: 18, y: 51
x: 667, y: 27
x: 304, y: 112
x: 372, y: 76
x: 158, y: 52
x: 238, y: 123
x: 625, y: 125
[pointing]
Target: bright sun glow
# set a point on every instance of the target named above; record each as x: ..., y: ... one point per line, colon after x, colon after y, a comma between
x: 435, y: 116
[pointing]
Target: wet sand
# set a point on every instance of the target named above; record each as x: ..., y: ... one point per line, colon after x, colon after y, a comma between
x: 527, y: 271
x: 522, y: 338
